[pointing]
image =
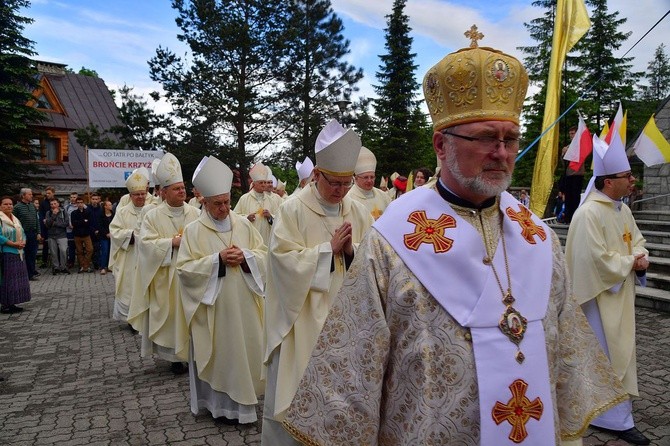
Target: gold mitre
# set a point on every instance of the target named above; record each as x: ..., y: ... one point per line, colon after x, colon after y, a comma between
x: 137, y: 181
x: 475, y: 84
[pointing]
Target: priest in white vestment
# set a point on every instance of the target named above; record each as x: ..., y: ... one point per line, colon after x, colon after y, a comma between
x: 305, y: 171
x: 123, y: 231
x: 156, y: 309
x: 456, y: 324
x: 221, y: 271
x: 312, y: 247
x: 125, y: 199
x: 606, y: 255
x: 260, y: 205
x: 364, y: 190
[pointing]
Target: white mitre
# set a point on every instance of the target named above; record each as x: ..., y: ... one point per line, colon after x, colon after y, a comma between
x: 154, y: 167
x: 169, y: 171
x: 137, y: 181
x: 607, y: 160
x: 304, y: 169
x: 281, y: 185
x: 367, y: 162
x: 259, y: 172
x: 212, y: 177
x: 337, y: 150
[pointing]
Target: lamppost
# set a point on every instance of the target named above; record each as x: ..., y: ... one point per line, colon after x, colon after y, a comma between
x: 342, y: 105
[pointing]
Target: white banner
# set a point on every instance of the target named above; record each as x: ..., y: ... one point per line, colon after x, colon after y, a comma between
x: 111, y: 168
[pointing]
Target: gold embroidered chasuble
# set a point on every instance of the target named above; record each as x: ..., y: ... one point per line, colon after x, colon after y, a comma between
x: 296, y: 303
x: 392, y: 367
x: 228, y: 333
x: 600, y: 252
x: 375, y: 201
x: 157, y: 294
x: 253, y: 203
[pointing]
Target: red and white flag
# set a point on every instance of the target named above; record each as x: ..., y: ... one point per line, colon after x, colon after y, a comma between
x: 580, y: 146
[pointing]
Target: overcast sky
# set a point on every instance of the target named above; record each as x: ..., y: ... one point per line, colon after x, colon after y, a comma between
x: 116, y: 38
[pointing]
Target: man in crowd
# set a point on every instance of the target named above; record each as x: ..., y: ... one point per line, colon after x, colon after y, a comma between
x: 309, y: 254
x: 81, y: 229
x: 605, y: 254
x: 364, y: 191
x: 260, y: 205
x: 156, y: 309
x: 69, y: 208
x: 221, y: 271
x: 28, y: 216
x: 57, y: 223
x: 45, y: 206
x: 456, y: 324
x: 572, y: 182
x: 124, y: 231
x: 96, y: 220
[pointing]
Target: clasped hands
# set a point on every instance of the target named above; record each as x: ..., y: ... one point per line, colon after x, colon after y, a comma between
x: 232, y: 256
x: 641, y: 263
x: 341, y: 240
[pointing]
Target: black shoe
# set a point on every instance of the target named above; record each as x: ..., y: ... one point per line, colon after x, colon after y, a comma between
x: 6, y: 310
x: 65, y: 271
x: 37, y: 273
x: 632, y: 435
x: 178, y: 368
x: 15, y: 308
x: 55, y: 271
x: 33, y: 278
x: 81, y: 270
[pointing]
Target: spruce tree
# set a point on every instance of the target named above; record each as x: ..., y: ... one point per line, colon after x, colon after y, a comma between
x: 315, y: 75
x: 18, y: 79
x: 224, y: 92
x: 610, y: 78
x: 401, y: 128
x: 658, y: 76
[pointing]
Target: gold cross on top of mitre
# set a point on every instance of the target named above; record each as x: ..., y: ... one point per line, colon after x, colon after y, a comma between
x: 474, y: 35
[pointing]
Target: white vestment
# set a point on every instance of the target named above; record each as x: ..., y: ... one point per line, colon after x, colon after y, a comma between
x: 224, y: 314
x: 254, y: 203
x: 156, y: 309
x: 123, y: 257
x: 375, y: 200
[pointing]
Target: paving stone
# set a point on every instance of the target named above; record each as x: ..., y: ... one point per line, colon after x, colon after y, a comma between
x: 73, y: 376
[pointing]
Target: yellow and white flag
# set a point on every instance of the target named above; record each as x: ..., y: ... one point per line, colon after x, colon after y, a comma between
x: 652, y: 147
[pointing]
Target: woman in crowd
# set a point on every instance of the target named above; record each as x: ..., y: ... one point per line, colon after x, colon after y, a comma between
x: 15, y: 288
x: 105, y: 240
x: 421, y: 176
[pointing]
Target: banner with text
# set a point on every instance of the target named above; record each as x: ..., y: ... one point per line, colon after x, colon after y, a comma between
x: 111, y: 168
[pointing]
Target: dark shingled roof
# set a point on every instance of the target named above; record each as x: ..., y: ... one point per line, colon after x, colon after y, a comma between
x: 86, y: 100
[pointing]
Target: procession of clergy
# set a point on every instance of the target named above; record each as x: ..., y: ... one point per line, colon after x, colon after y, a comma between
x: 249, y: 297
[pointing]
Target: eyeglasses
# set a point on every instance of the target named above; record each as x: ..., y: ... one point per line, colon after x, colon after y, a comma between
x: 366, y: 177
x: 336, y: 184
x: 489, y: 143
x: 624, y: 176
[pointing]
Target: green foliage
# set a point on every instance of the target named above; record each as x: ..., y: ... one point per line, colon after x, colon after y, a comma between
x: 658, y: 77
x: 18, y: 78
x: 142, y: 127
x: 93, y: 137
x: 399, y: 138
x: 611, y: 78
x: 222, y: 92
x: 315, y: 76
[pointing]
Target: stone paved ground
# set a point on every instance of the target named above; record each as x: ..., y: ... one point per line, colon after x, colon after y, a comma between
x: 74, y: 376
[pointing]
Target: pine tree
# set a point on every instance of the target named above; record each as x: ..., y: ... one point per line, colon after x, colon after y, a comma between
x: 226, y: 87
x: 401, y: 128
x: 658, y: 76
x: 18, y: 79
x: 611, y: 78
x: 315, y: 75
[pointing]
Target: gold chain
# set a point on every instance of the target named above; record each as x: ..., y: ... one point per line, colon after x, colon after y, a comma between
x: 512, y: 324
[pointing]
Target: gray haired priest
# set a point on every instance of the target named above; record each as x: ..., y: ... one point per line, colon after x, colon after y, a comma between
x: 456, y: 324
x: 311, y: 249
x: 156, y: 309
x: 221, y: 271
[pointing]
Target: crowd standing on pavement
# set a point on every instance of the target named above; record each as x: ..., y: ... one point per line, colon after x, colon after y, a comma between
x: 331, y: 302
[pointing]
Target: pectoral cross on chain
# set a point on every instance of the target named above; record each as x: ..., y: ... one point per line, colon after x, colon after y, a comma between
x: 628, y: 238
